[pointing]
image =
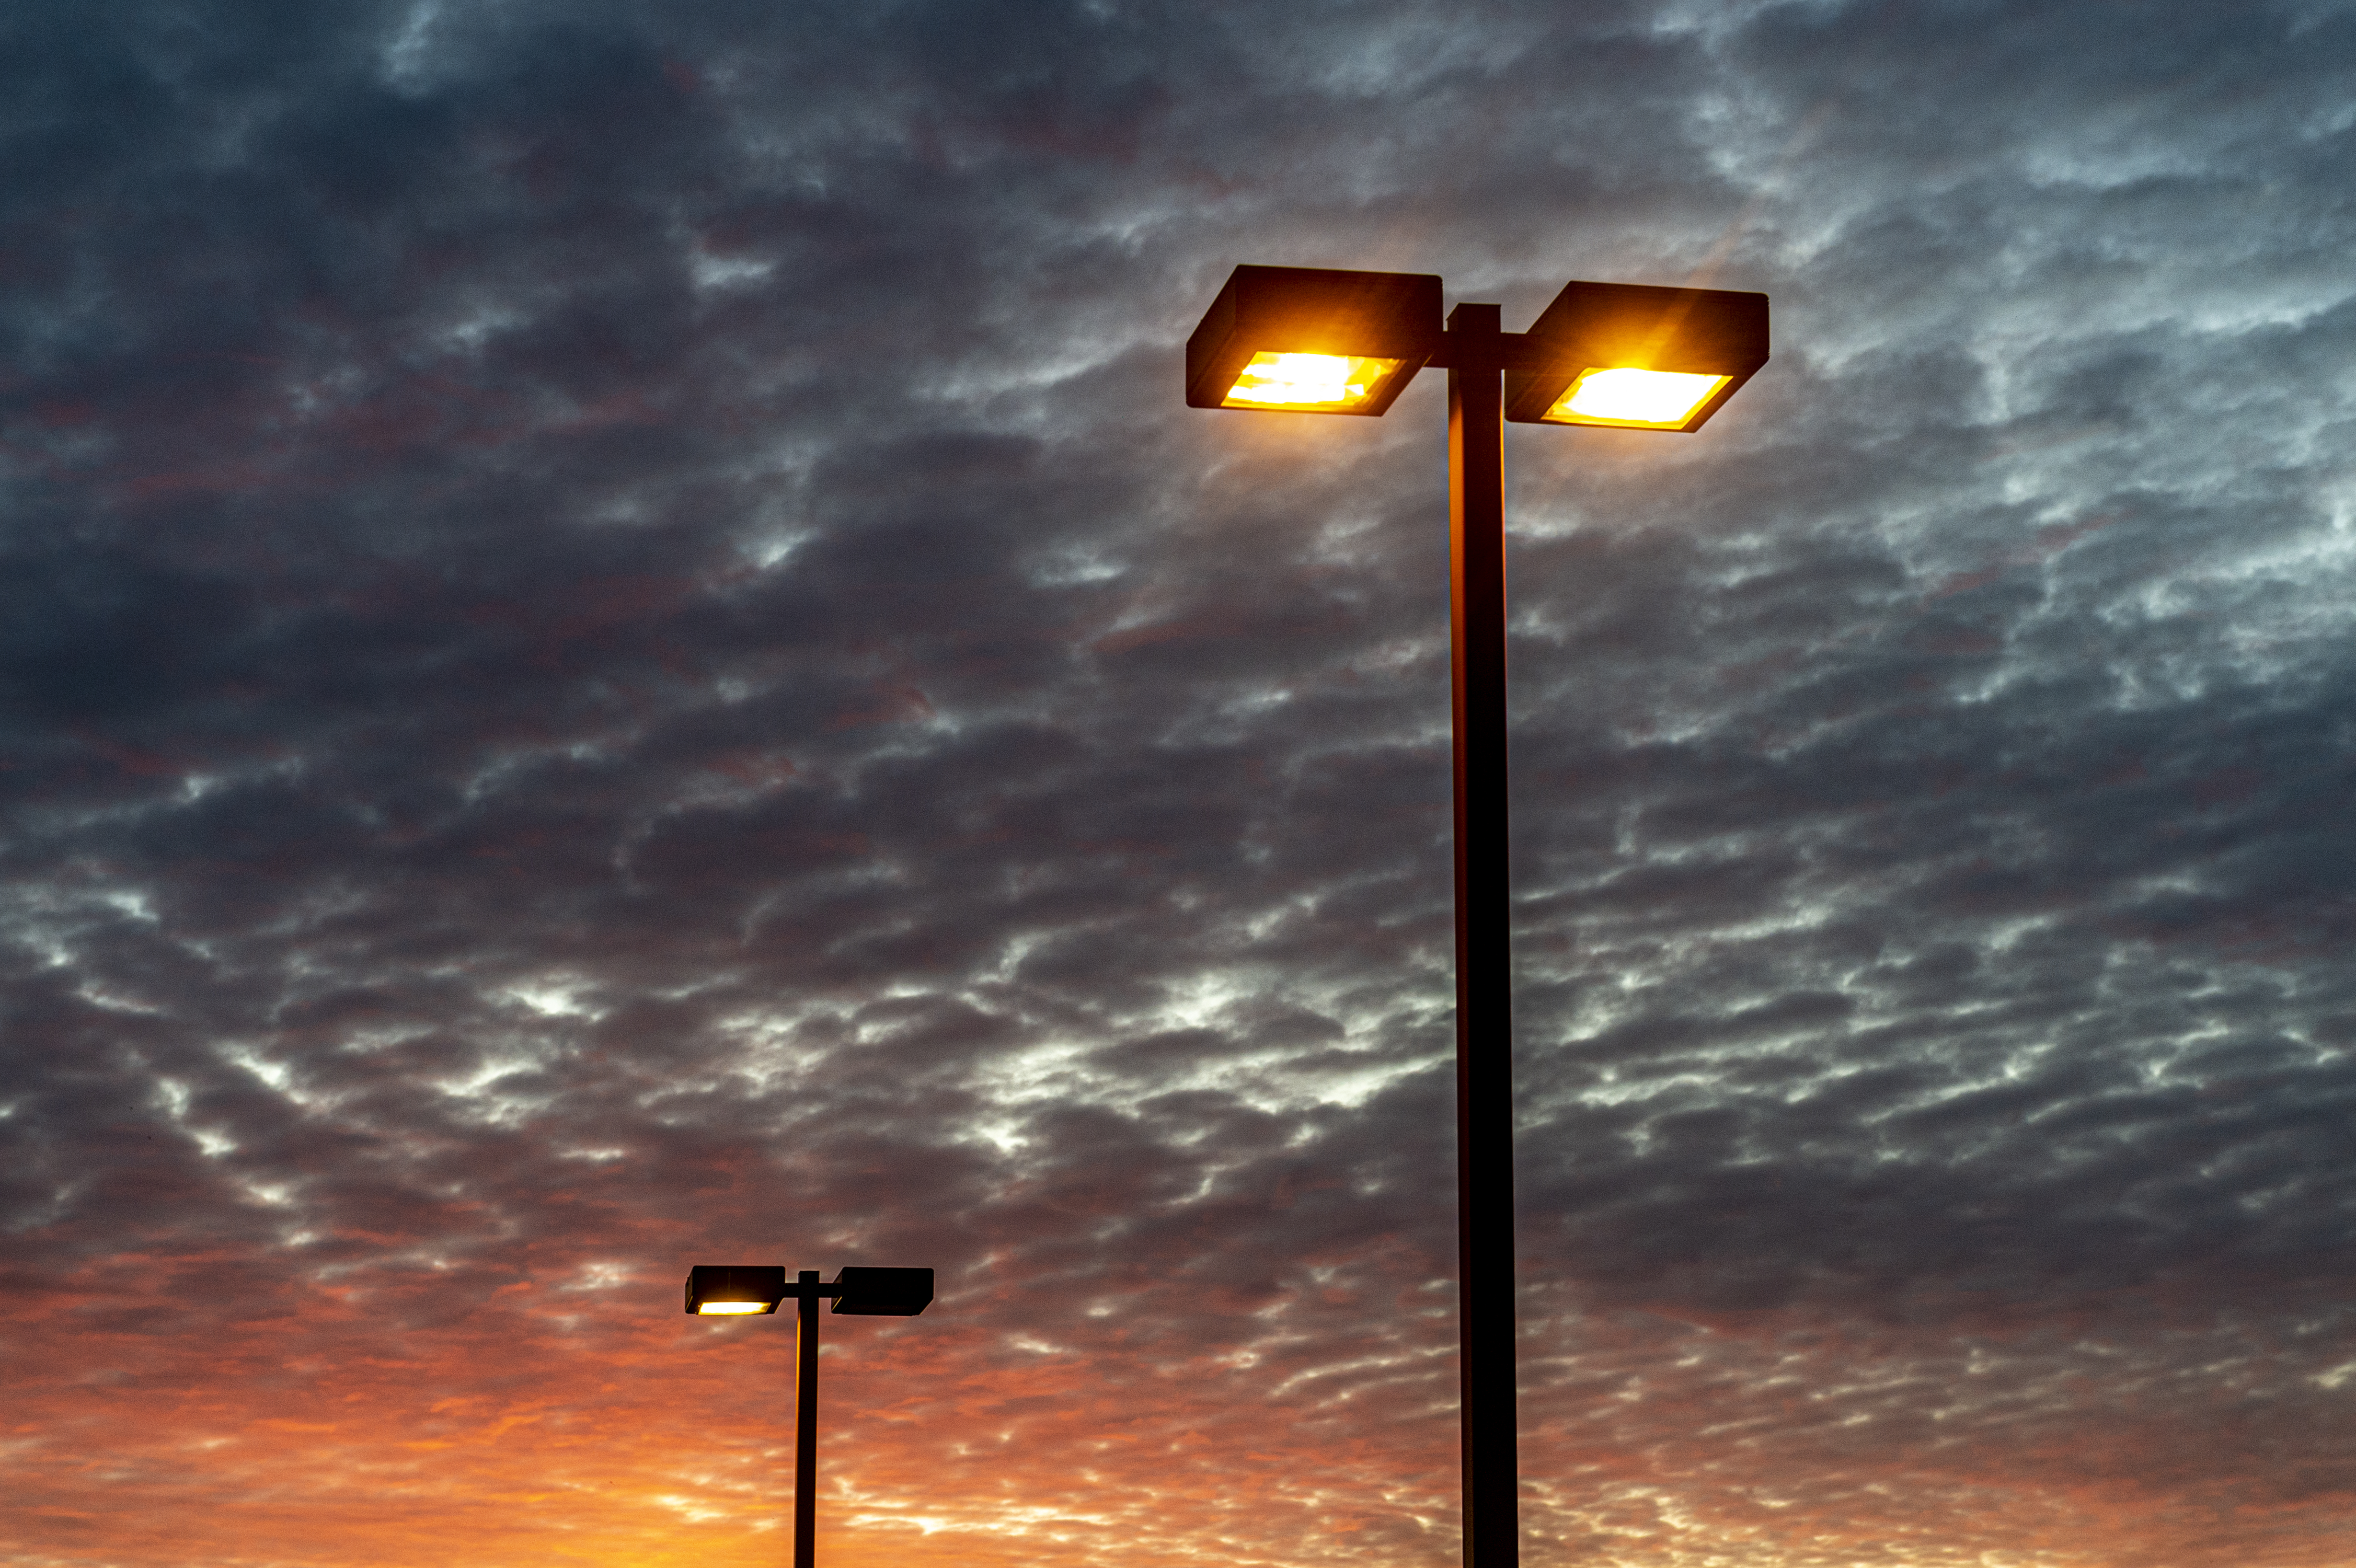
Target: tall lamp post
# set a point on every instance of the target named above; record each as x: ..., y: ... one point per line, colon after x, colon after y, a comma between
x: 1623, y: 356
x: 745, y: 1290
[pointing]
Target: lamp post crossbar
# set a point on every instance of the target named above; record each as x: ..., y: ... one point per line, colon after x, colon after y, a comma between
x: 1498, y: 349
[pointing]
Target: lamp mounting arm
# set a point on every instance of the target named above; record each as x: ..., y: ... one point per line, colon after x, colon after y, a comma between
x: 1459, y: 349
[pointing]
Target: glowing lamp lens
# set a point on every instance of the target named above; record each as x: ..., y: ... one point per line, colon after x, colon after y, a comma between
x: 1308, y: 381
x: 729, y: 1308
x: 1642, y: 399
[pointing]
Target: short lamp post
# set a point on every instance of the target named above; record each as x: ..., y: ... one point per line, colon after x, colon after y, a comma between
x: 746, y: 1290
x: 1622, y: 356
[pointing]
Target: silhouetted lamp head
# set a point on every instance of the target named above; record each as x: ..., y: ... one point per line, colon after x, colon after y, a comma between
x: 884, y: 1292
x: 1311, y: 340
x: 734, y: 1291
x: 1635, y: 357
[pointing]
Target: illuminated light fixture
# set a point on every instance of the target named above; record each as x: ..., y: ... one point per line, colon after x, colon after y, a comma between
x: 1639, y: 400
x: 1316, y: 383
x: 1312, y: 340
x: 1636, y: 357
x: 1623, y: 356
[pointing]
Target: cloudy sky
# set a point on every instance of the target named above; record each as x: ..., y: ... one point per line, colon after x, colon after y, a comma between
x: 619, y: 652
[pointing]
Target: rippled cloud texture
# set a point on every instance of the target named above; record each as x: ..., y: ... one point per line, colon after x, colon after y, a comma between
x: 618, y: 652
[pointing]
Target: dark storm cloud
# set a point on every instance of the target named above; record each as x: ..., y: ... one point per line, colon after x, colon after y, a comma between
x: 617, y: 651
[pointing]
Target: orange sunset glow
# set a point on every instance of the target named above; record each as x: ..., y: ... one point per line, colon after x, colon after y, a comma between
x: 565, y: 1417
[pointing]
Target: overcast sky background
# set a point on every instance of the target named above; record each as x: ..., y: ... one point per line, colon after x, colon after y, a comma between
x: 618, y: 651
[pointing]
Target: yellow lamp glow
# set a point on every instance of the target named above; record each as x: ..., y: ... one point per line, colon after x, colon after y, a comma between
x: 1323, y: 381
x: 1638, y: 399
x: 729, y: 1308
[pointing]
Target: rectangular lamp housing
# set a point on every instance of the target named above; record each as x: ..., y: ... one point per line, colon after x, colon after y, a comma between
x: 1312, y: 340
x: 1635, y: 357
x: 884, y: 1292
x: 734, y: 1290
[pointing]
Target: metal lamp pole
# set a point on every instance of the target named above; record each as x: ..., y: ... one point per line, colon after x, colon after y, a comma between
x: 805, y: 1290
x: 1476, y: 352
x: 1632, y: 355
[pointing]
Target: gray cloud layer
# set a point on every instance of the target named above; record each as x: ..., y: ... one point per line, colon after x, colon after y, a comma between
x: 618, y: 652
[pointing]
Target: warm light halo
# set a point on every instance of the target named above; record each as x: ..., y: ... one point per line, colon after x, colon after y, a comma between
x: 729, y: 1308
x: 1634, y: 398
x: 1273, y: 379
